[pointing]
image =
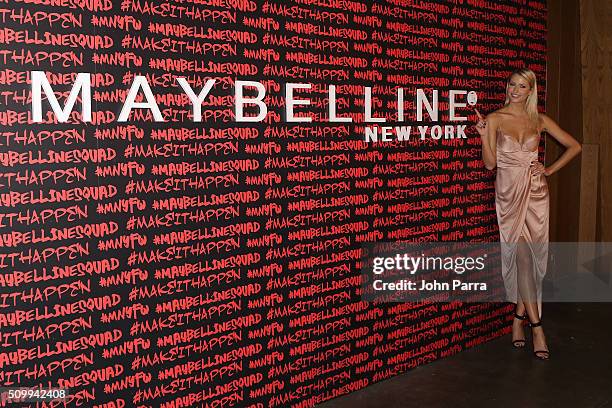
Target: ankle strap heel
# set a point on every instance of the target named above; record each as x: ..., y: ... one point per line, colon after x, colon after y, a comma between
x: 519, y: 343
x: 540, y: 354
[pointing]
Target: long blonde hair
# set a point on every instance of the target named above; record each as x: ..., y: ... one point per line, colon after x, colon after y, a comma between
x: 531, y: 104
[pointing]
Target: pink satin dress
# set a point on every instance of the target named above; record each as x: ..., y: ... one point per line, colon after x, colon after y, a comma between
x: 522, y: 206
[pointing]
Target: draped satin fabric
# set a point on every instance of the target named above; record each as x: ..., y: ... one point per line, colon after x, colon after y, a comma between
x: 522, y: 206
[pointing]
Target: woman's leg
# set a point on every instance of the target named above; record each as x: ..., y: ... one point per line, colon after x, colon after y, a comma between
x: 520, y: 306
x: 527, y: 291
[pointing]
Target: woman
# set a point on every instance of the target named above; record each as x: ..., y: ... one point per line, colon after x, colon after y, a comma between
x: 510, y: 139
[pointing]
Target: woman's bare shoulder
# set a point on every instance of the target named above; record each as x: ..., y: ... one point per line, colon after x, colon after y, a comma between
x: 501, y: 112
x: 544, y: 118
x: 497, y: 115
x: 544, y: 121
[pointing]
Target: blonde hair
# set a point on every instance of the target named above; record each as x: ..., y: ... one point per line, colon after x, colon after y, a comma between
x: 531, y: 104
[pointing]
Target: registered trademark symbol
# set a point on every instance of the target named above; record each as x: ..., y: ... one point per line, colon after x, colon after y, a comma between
x: 472, y: 97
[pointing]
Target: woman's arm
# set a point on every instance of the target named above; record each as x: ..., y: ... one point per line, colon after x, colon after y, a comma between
x: 572, y: 147
x: 486, y: 128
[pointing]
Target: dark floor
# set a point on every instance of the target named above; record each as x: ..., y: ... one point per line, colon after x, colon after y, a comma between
x: 578, y: 374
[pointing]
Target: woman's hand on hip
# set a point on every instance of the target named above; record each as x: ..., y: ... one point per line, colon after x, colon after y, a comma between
x: 538, y: 168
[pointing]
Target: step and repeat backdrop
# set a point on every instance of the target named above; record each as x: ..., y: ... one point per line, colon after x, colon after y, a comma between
x: 165, y: 261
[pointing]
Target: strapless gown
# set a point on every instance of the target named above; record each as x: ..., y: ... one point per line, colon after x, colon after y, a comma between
x: 522, y: 206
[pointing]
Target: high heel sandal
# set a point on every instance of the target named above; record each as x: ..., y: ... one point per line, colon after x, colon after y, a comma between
x: 519, y: 343
x: 540, y: 354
